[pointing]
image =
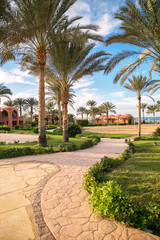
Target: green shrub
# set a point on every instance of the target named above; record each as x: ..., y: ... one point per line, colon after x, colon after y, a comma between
x: 73, y: 130
x: 81, y: 122
x: 130, y: 120
x: 16, y: 127
x: 5, y: 128
x: 58, y: 131
x: 20, y: 126
x: 108, y: 198
x: 2, y: 143
x: 156, y: 133
x: 35, y: 130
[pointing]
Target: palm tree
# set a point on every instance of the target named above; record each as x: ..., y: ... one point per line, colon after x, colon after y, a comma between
x: 72, y: 61
x: 93, y: 112
x: 91, y: 103
x: 81, y: 110
x: 139, y: 85
x: 31, y: 103
x: 87, y: 113
x: 37, y: 23
x: 108, y: 107
x: 143, y: 107
x: 4, y: 91
x: 19, y: 103
x: 9, y: 103
x: 152, y: 109
x: 49, y: 108
x: 140, y: 25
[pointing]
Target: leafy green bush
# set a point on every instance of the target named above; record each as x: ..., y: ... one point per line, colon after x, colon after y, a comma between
x: 81, y: 122
x: 2, y: 143
x: 35, y: 130
x: 108, y: 198
x: 73, y: 130
x: 16, y: 127
x: 5, y: 128
x: 51, y: 126
x: 130, y: 120
x: 156, y: 133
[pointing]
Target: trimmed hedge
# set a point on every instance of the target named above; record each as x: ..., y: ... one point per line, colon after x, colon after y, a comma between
x: 81, y: 122
x: 108, y: 198
x: 73, y: 130
x: 23, y: 151
x: 5, y: 128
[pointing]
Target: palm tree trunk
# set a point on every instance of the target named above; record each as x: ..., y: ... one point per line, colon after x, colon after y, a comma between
x: 107, y: 119
x: 20, y: 111
x: 41, y: 60
x: 59, y: 111
x: 139, y: 116
x: 143, y: 115
x: 31, y: 113
x: 65, y: 97
x: 154, y: 117
x: 82, y: 115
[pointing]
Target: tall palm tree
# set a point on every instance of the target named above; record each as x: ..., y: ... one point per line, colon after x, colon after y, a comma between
x: 54, y: 92
x: 93, y: 112
x: 108, y: 107
x: 72, y: 61
x: 91, y: 103
x: 143, y: 107
x: 81, y: 110
x: 50, y: 108
x: 152, y: 109
x: 139, y: 85
x: 140, y: 25
x: 20, y: 103
x: 32, y: 104
x: 4, y: 91
x: 87, y: 113
x: 9, y: 103
x: 38, y: 21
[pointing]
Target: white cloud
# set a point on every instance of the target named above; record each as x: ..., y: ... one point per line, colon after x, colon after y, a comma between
x: 27, y: 94
x: 118, y: 94
x: 104, y: 20
x: 107, y: 24
x: 15, y: 76
x: 83, y: 83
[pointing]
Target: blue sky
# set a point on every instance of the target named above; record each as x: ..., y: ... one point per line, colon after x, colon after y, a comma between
x: 98, y: 87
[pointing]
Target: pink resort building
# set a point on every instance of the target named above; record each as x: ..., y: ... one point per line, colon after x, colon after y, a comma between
x: 10, y: 116
x: 115, y: 119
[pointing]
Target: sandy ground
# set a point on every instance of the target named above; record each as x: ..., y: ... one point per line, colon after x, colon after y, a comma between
x: 9, y: 138
x: 128, y: 129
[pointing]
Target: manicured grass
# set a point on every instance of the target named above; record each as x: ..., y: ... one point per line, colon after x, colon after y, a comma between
x: 139, y: 175
x: 21, y: 131
x: 53, y: 140
x: 107, y: 135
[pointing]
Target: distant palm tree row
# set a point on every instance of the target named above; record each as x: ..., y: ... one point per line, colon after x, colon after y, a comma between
x: 106, y: 107
x: 23, y: 104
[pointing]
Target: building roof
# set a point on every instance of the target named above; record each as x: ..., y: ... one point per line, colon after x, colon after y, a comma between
x: 115, y: 116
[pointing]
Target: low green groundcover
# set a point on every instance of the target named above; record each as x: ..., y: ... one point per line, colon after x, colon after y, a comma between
x: 111, y: 199
x: 16, y: 150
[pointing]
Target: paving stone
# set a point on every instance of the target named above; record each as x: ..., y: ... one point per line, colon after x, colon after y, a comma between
x: 107, y: 226
x: 87, y: 235
x: 71, y: 230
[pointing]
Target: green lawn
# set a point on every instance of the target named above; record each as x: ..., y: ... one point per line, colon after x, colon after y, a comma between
x: 107, y: 135
x: 139, y: 176
x: 53, y: 140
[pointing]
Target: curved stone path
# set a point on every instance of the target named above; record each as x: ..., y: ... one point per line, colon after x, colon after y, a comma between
x: 64, y: 202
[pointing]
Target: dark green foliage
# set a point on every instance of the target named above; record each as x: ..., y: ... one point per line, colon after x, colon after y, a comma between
x: 81, y: 122
x: 35, y: 130
x: 130, y: 120
x: 16, y: 127
x: 73, y: 130
x: 5, y: 128
x: 34, y: 124
x: 142, y: 138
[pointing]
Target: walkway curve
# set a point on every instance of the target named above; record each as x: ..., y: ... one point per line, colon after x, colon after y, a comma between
x: 64, y: 202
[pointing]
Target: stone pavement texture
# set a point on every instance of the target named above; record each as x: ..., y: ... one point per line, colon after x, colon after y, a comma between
x: 64, y: 205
